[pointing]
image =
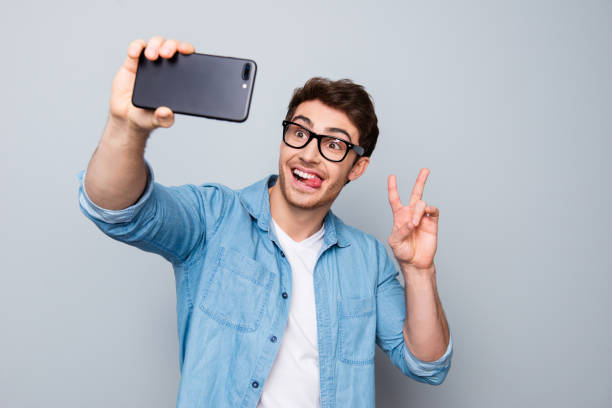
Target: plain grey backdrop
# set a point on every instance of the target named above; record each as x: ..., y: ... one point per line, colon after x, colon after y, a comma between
x: 507, y: 103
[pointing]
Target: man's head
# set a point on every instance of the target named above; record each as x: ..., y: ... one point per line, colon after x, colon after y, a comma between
x: 341, y: 109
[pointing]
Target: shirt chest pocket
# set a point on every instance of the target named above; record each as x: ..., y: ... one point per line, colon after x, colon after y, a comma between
x: 357, y: 330
x: 237, y: 291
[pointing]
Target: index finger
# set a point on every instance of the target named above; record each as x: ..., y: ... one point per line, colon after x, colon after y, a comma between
x: 394, y: 199
x: 419, y: 186
x: 134, y: 50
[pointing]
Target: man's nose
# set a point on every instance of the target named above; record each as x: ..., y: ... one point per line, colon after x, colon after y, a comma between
x: 310, y: 152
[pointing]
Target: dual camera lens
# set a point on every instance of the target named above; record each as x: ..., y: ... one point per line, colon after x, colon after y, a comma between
x: 246, y: 71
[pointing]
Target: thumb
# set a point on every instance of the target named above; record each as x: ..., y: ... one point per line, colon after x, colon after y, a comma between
x: 163, y: 117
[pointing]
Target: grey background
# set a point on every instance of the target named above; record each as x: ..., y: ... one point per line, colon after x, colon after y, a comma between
x: 507, y: 103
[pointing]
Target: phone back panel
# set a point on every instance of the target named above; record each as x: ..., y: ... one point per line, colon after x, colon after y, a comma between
x: 197, y: 84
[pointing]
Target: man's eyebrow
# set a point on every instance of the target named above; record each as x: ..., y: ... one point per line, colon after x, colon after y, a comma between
x: 304, y: 118
x: 338, y: 130
x: 329, y: 129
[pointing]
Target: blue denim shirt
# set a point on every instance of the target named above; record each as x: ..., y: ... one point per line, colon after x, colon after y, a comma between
x: 233, y: 285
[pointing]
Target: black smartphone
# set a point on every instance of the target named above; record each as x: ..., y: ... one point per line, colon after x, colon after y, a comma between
x: 196, y: 84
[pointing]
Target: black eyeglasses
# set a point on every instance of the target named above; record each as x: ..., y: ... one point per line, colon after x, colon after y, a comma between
x: 332, y: 148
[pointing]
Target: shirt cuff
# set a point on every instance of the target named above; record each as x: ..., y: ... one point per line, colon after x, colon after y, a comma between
x: 428, y: 368
x: 114, y: 216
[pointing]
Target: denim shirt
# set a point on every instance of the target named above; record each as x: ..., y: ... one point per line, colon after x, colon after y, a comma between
x: 233, y: 286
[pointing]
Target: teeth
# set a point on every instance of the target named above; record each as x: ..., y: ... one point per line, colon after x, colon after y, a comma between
x: 303, y: 175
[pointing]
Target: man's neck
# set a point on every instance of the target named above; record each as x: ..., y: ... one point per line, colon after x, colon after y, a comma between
x: 298, y: 223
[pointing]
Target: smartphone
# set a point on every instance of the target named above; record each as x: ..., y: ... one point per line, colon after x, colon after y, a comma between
x: 204, y: 85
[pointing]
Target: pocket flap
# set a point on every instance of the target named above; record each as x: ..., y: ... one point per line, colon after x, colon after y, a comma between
x: 242, y: 265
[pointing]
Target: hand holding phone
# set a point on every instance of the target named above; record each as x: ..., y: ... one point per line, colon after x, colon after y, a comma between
x: 122, y: 111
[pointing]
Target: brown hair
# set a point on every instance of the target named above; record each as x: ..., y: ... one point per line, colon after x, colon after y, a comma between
x: 344, y: 95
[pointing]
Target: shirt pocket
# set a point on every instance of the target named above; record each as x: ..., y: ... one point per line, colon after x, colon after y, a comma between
x: 237, y: 291
x: 357, y: 330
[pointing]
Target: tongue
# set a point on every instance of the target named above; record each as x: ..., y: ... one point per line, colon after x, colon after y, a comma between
x: 314, y: 182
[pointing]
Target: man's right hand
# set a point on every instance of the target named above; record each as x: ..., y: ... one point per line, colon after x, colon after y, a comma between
x: 122, y: 112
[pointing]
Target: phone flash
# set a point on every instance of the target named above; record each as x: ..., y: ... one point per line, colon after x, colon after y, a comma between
x: 243, y: 86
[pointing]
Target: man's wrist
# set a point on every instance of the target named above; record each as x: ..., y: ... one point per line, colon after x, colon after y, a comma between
x: 418, y: 275
x: 120, y: 133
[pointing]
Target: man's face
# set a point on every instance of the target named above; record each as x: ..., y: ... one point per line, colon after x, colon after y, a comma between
x: 329, y: 177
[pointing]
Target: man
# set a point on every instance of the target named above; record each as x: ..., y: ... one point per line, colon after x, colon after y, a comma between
x: 279, y: 303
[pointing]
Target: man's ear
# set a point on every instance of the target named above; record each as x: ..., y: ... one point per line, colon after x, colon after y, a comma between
x: 358, y: 168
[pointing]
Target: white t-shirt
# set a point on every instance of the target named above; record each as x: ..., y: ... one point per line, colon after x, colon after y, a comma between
x: 294, y: 377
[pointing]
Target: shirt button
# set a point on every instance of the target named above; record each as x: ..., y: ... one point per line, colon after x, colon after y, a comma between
x: 285, y: 295
x: 273, y: 339
x: 255, y: 384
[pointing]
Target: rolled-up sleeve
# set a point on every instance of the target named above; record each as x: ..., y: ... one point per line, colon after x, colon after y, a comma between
x: 113, y: 216
x: 391, y: 313
x: 435, y: 371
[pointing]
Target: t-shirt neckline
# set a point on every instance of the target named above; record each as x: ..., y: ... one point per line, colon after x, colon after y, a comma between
x: 304, y: 242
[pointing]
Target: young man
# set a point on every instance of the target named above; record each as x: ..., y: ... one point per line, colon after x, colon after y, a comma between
x: 279, y: 303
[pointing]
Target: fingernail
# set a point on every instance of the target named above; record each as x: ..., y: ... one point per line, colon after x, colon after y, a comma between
x: 415, y: 222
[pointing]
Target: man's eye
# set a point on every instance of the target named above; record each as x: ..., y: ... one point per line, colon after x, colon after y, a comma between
x: 300, y: 134
x: 334, y: 145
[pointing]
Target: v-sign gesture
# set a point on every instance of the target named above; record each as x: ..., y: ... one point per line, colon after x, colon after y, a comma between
x: 414, y: 237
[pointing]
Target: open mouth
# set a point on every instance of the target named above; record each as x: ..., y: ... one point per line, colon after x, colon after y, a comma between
x: 306, y: 179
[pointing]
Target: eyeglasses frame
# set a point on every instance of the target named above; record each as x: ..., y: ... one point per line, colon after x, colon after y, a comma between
x: 312, y: 135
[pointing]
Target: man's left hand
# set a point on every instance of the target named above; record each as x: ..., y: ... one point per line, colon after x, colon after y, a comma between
x: 414, y: 237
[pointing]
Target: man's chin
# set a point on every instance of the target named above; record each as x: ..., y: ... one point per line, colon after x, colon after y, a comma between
x: 305, y: 205
x: 301, y: 200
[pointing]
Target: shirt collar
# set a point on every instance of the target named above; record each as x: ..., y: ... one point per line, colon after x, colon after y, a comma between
x: 256, y: 200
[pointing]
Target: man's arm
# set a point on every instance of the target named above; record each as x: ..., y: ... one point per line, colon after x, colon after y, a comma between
x: 427, y: 344
x: 425, y: 329
x: 117, y: 190
x: 391, y: 310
